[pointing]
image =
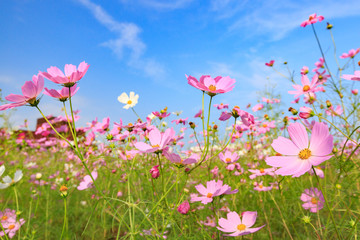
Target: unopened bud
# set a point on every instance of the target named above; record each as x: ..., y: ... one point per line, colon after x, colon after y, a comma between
x: 341, y: 95
x: 352, y: 223
x: 334, y: 150
x: 355, y: 92
x: 215, y: 127
x: 328, y: 104
x: 329, y: 26
x: 293, y: 111
x: 38, y: 175
x: 192, y: 125
x: 109, y: 137
x: 285, y: 63
x: 306, y: 219
x: 338, y: 186
x: 63, y: 191
x: 266, y: 117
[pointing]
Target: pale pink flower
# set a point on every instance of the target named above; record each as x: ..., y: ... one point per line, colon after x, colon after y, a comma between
x: 11, y: 227
x: 306, y: 112
x: 161, y: 114
x: 304, y: 70
x: 351, y: 53
x: 62, y: 94
x: 318, y: 172
x: 213, y: 189
x: 87, y: 182
x: 334, y: 112
x: 158, y: 140
x: 261, y: 172
x: 175, y: 158
x: 261, y: 188
x: 221, y: 106
x: 71, y: 76
x: 300, y: 154
x: 212, y: 86
x: 313, y: 199
x: 319, y: 64
x: 312, y: 19
x: 258, y: 107
x: 355, y: 77
x: 236, y: 226
x: 306, y: 87
x: 180, y: 121
x: 228, y: 157
x: 30, y: 91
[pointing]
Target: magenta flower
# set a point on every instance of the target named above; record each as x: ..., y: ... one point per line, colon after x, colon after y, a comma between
x: 261, y: 172
x: 355, y: 91
x: 306, y: 112
x: 184, y: 207
x: 161, y: 114
x: 212, y: 86
x: 87, y: 182
x: 221, y: 106
x: 300, y: 154
x: 154, y: 171
x: 270, y: 64
x: 228, y: 157
x: 158, y: 140
x: 199, y: 114
x: 236, y: 226
x: 313, y: 199
x: 355, y: 77
x: 63, y: 94
x: 312, y: 19
x: 304, y: 70
x: 30, y: 91
x: 307, y: 86
x: 351, y: 53
x: 319, y: 64
x: 180, y: 121
x: 212, y: 189
x: 71, y: 76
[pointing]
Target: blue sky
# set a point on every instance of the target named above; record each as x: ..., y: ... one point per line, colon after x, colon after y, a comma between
x: 147, y: 46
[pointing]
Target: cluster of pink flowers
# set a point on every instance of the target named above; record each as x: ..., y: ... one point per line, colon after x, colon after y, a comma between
x: 9, y: 223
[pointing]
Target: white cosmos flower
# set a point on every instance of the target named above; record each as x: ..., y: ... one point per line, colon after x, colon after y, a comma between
x: 2, y: 170
x: 130, y: 100
x: 8, y: 181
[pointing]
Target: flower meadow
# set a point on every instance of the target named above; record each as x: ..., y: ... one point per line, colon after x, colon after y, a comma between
x: 260, y: 171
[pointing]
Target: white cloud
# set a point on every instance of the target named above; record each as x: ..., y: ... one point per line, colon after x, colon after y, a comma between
x: 127, y: 42
x: 160, y: 5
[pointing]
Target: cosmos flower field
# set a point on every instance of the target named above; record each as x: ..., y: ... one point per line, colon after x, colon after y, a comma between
x: 269, y: 170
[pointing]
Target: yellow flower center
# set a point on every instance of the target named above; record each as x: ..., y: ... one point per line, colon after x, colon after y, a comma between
x: 212, y: 88
x: 261, y: 186
x: 264, y: 125
x: 209, y: 195
x: 314, y: 200
x: 241, y: 227
x: 305, y: 154
x: 4, y: 218
x: 12, y: 226
x: 157, y: 145
x: 306, y: 88
x: 228, y: 160
x: 129, y: 102
x: 311, y: 18
x: 262, y: 170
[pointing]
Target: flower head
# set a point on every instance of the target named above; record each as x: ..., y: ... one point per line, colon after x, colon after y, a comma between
x: 351, y: 53
x: 270, y: 64
x: 62, y: 94
x: 87, y: 182
x: 312, y: 19
x: 212, y: 190
x: 129, y: 101
x: 8, y: 181
x: 307, y: 86
x: 228, y: 157
x: 313, y: 199
x: 184, y: 207
x: 158, y: 140
x: 30, y: 90
x: 212, y: 86
x: 236, y: 226
x: 355, y: 77
x: 71, y: 76
x: 299, y: 154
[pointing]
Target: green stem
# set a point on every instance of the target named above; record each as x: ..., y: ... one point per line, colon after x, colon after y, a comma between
x: 136, y: 113
x: 327, y: 204
x: 64, y: 225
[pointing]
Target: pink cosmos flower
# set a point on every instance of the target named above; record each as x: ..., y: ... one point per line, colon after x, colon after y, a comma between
x: 270, y: 64
x: 199, y: 114
x: 11, y: 227
x: 310, y: 98
x: 261, y: 172
x: 266, y: 100
x: 212, y: 190
x: 154, y: 171
x: 261, y: 188
x: 228, y: 157
x: 161, y: 114
x: 87, y: 182
x: 30, y: 91
x: 312, y: 19
x: 221, y: 106
x: 175, y: 158
x: 184, y: 207
x: 313, y: 199
x: 351, y: 53
x: 318, y: 171
x: 307, y: 86
x: 334, y: 112
x: 158, y: 140
x: 355, y: 77
x: 212, y: 86
x: 180, y: 121
x: 236, y: 226
x: 258, y: 107
x: 71, y: 76
x: 306, y: 112
x: 63, y: 94
x: 304, y: 70
x: 300, y: 154
x: 319, y: 64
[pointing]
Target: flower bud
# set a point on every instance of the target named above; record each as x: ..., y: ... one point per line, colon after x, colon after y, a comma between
x: 266, y: 117
x: 63, y: 191
x: 329, y: 26
x: 355, y: 92
x: 38, y: 176
x: 154, y: 171
x: 328, y: 104
x: 338, y: 186
x: 184, y: 207
x: 293, y: 111
x: 215, y: 127
x: 192, y: 125
x: 306, y: 219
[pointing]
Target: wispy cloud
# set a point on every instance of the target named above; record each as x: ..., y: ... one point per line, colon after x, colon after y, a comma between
x: 160, y: 5
x: 274, y: 18
x: 127, y: 42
